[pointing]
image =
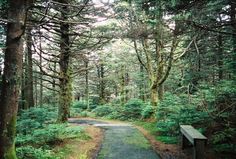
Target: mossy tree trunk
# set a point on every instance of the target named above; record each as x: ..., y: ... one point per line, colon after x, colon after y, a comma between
x: 11, y: 77
x: 86, y: 61
x: 29, y: 71
x: 124, y: 81
x: 41, y: 75
x: 155, y: 62
x: 65, y: 96
x: 142, y: 84
x: 101, y: 85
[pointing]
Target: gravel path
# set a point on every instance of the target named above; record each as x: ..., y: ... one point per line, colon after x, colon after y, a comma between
x: 121, y: 141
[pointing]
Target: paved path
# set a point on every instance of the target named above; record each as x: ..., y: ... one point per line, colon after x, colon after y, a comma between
x: 121, y: 141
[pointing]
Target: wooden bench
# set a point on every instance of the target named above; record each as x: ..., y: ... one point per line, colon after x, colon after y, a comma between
x: 199, y: 141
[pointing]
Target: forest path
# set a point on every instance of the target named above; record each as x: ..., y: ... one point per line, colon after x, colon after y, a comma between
x: 121, y: 141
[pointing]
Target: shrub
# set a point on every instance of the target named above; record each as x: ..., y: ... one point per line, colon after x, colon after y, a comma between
x: 147, y: 112
x: 83, y: 114
x: 133, y: 108
x: 95, y: 100
x: 36, y: 135
x: 175, y: 110
x: 80, y: 104
x: 35, y: 118
x: 117, y: 113
x: 74, y: 112
x: 222, y: 140
x: 34, y: 153
x: 92, y: 106
x: 103, y: 110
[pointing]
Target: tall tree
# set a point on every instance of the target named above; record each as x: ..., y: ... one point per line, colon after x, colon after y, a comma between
x: 12, y: 77
x: 150, y: 32
x: 65, y: 96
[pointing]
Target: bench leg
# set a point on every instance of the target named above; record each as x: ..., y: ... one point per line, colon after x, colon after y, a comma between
x: 184, y: 142
x: 199, y: 149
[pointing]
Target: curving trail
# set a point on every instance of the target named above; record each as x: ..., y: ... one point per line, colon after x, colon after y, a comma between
x: 121, y: 141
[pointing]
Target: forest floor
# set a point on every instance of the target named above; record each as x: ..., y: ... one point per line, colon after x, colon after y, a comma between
x: 120, y: 140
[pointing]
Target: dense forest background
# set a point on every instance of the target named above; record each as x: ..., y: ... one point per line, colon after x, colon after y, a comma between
x: 162, y: 63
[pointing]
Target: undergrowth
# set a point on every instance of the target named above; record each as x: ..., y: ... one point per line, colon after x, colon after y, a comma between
x: 38, y: 133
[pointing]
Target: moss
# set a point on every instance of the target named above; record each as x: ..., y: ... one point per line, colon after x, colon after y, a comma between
x: 11, y: 153
x: 11, y: 129
x: 137, y: 140
x: 65, y: 98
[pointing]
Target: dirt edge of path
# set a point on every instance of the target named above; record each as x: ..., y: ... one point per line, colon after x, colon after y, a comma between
x: 85, y: 149
x: 169, y: 151
x: 97, y: 135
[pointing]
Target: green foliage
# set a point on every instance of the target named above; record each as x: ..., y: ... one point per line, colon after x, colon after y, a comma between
x: 147, y: 112
x: 225, y: 148
x: 95, y: 100
x: 174, y: 110
x: 168, y: 139
x: 222, y: 140
x: 80, y: 104
x: 149, y: 126
x: 38, y: 133
x: 133, y: 108
x: 103, y: 110
x: 2, y: 39
x: 35, y: 118
x: 74, y: 112
x: 224, y: 135
x: 3, y: 8
x: 29, y: 152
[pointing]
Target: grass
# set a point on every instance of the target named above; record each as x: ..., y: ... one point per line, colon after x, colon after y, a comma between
x: 70, y: 146
x: 168, y: 139
x: 151, y: 127
x: 137, y: 140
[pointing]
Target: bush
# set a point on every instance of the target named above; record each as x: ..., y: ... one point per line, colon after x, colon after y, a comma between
x: 34, y: 153
x: 117, y: 114
x: 102, y: 111
x: 92, y: 106
x: 80, y: 104
x: 35, y: 118
x: 83, y: 114
x: 95, y: 100
x: 133, y: 108
x: 147, y: 112
x: 175, y: 110
x: 74, y: 112
x: 37, y: 134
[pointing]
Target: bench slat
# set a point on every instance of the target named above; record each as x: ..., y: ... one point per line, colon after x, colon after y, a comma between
x: 191, y: 133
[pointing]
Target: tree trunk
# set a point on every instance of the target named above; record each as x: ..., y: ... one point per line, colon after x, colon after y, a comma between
x: 154, y: 97
x: 87, y: 84
x: 220, y: 57
x: 142, y: 84
x: 54, y: 85
x: 11, y: 78
x: 29, y: 71
x: 126, y: 86
x: 65, y: 95
x: 161, y: 92
x: 41, y: 74
x: 122, y: 86
x: 102, y: 85
x: 23, y: 104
